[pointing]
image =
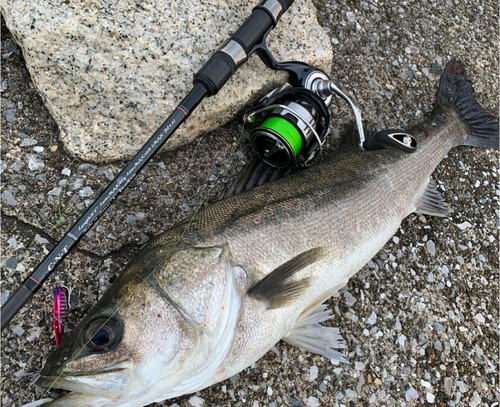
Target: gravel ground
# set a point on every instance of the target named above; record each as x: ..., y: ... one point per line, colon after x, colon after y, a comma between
x: 420, y: 320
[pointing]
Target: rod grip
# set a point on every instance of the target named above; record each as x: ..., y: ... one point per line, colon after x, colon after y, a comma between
x: 224, y: 63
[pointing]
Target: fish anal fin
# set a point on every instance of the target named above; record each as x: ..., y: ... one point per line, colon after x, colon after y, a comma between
x: 309, y: 335
x: 432, y: 202
x: 277, y: 288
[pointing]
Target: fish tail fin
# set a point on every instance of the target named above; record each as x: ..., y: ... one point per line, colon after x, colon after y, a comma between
x: 455, y: 89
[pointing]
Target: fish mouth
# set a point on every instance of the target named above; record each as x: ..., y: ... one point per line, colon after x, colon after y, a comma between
x: 107, y: 382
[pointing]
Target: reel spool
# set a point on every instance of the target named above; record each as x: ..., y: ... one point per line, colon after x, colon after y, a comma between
x: 293, y: 128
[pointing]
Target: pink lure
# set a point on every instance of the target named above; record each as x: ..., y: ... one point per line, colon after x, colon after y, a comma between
x: 58, y: 312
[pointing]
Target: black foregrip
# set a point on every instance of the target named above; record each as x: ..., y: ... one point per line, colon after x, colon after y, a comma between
x: 216, y: 72
x: 253, y: 29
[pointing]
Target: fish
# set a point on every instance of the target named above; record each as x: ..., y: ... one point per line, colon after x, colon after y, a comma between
x: 210, y: 296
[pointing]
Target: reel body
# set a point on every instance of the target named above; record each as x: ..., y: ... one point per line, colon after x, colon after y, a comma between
x: 293, y: 126
x: 294, y: 119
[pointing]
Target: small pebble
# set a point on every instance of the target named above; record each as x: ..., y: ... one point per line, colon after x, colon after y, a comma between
x: 11, y: 262
x: 448, y: 383
x: 10, y: 115
x: 28, y: 142
x: 411, y: 394
x: 475, y: 400
x: 41, y: 240
x: 35, y: 163
x: 372, y: 318
x: 86, y: 192
x: 349, y: 299
x: 464, y: 225
x: 431, y: 247
x: 350, y: 393
x: 8, y: 198
x: 313, y: 373
x: 4, y: 296
x: 20, y: 373
x: 55, y: 192
x: 430, y: 397
x: 479, y: 317
x: 436, y: 69
x: 196, y: 401
x: 18, y: 330
x: 351, y: 17
x: 313, y: 402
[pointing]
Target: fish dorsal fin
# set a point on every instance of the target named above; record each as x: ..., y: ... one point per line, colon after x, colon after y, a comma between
x: 309, y: 335
x: 255, y: 174
x: 432, y: 202
x: 350, y: 140
x: 277, y: 289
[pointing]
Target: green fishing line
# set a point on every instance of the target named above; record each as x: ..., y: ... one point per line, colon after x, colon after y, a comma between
x: 286, y: 130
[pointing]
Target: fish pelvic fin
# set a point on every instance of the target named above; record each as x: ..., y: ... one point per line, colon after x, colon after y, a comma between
x: 309, y: 335
x: 455, y: 89
x: 277, y: 288
x: 432, y: 202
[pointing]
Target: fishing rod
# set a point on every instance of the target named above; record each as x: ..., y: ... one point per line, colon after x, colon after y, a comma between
x: 290, y: 127
x: 207, y: 82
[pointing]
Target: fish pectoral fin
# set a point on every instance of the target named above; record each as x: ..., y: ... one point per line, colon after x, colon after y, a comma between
x: 432, y: 202
x: 309, y: 335
x: 276, y: 289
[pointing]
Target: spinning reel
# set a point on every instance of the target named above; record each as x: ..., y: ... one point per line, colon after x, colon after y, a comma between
x: 292, y: 122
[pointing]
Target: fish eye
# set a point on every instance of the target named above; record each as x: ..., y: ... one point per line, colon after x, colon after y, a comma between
x: 101, y: 334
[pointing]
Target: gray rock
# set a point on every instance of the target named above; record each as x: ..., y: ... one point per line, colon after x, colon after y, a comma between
x: 3, y: 166
x: 436, y: 69
x: 351, y: 17
x: 86, y: 192
x: 11, y: 262
x: 35, y: 163
x: 18, y: 330
x: 17, y: 166
x: 4, y: 296
x: 28, y: 142
x: 431, y: 247
x: 10, y: 115
x: 133, y: 64
x: 411, y: 394
x: 55, y: 192
x: 41, y: 240
x: 8, y: 198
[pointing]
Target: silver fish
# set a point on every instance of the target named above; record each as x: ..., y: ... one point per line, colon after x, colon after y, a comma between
x: 212, y: 295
